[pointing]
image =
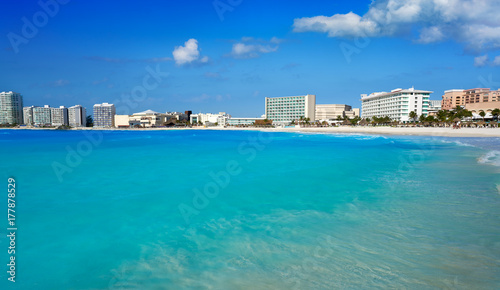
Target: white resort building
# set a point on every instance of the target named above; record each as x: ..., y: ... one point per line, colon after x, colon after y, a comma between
x: 397, y: 104
x: 243, y: 121
x: 28, y: 115
x: 210, y: 119
x: 42, y: 116
x: 283, y: 110
x: 104, y: 115
x: 333, y: 111
x: 11, y: 108
x: 77, y: 116
x: 59, y: 116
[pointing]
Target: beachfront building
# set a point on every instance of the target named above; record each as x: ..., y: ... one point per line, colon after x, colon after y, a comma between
x: 210, y: 119
x: 284, y: 110
x: 243, y: 121
x: 396, y: 104
x: 124, y: 121
x: 434, y: 107
x: 148, y: 119
x: 452, y: 98
x: 77, y: 116
x: 59, y: 116
x: 42, y: 116
x: 474, y: 100
x: 178, y: 116
x: 333, y: 111
x: 28, y: 116
x: 104, y: 115
x: 11, y: 108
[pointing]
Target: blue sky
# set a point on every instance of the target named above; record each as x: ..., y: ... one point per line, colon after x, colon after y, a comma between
x: 228, y: 55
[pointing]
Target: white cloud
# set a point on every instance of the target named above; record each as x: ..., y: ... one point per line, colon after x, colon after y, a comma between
x: 473, y: 22
x: 189, y: 53
x: 480, y: 61
x: 251, y: 48
x: 496, y: 61
x: 431, y: 34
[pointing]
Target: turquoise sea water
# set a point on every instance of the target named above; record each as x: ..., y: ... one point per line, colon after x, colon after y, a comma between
x: 250, y: 210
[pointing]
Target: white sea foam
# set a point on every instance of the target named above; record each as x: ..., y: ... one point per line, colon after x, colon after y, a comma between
x: 491, y: 158
x: 458, y: 143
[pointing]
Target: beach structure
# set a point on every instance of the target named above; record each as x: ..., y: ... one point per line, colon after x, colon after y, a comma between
x: 284, y: 110
x: 210, y: 119
x: 42, y: 116
x: 11, y: 108
x: 59, y: 116
x: 333, y: 111
x: 396, y: 104
x: 104, y: 115
x: 243, y: 121
x: 77, y: 116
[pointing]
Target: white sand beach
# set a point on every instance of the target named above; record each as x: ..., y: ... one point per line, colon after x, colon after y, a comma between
x: 379, y: 130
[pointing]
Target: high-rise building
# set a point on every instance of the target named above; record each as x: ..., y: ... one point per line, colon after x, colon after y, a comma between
x: 77, y: 116
x: 42, y: 116
x: 104, y: 115
x: 286, y: 109
x: 11, y: 108
x: 59, y: 116
x: 397, y: 104
x: 28, y: 116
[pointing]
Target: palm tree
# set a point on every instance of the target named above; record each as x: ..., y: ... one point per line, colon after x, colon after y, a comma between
x: 482, y: 114
x: 495, y: 113
x: 442, y: 115
x: 413, y: 115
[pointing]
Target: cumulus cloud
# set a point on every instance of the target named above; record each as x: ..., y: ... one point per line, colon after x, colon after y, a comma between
x: 475, y: 23
x: 189, y: 53
x: 249, y: 47
x: 480, y: 61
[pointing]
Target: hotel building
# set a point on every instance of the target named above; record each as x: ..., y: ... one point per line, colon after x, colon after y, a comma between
x: 77, y: 116
x: 474, y: 100
x: 242, y: 121
x: 59, y: 116
x: 333, y: 111
x: 434, y: 107
x: 11, y: 108
x: 286, y: 109
x: 42, y: 116
x: 210, y: 119
x: 396, y: 104
x: 104, y: 115
x: 28, y: 116
x: 451, y: 99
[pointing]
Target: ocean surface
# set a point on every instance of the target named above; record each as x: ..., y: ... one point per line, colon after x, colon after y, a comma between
x: 201, y: 209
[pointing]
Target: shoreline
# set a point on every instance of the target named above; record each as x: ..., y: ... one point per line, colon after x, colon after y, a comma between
x: 402, y: 131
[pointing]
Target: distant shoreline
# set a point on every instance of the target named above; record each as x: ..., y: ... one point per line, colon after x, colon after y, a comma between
x: 416, y: 131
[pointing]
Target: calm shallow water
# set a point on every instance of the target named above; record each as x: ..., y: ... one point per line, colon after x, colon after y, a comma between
x: 289, y: 210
